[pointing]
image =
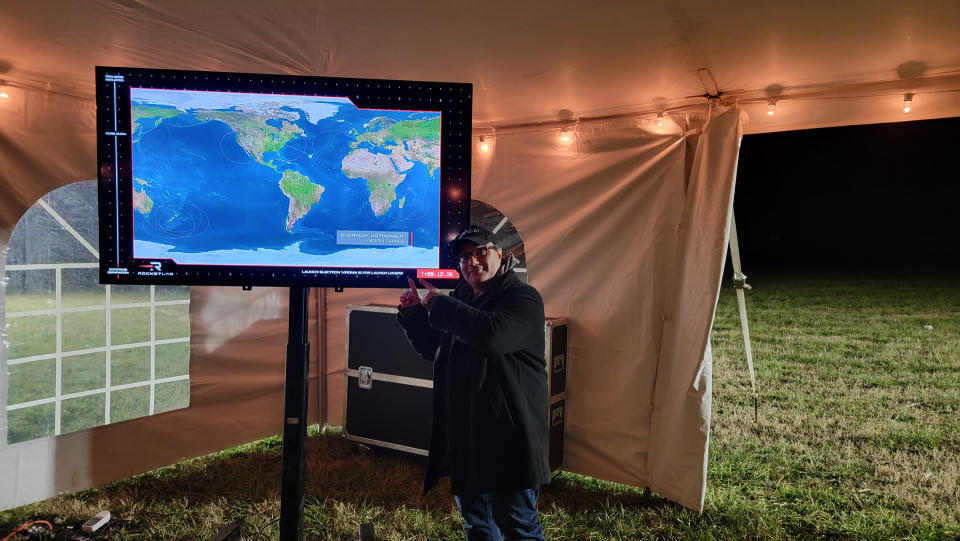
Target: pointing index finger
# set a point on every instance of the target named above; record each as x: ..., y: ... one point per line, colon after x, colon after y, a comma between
x: 413, y: 286
x: 427, y: 284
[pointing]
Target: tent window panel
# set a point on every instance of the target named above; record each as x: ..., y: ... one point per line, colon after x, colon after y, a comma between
x: 26, y: 424
x: 81, y: 287
x: 129, y: 366
x: 84, y: 330
x: 130, y: 325
x: 57, y: 316
x: 31, y: 289
x: 34, y: 380
x: 172, y: 321
x: 83, y: 372
x: 129, y: 403
x: 82, y: 413
x: 172, y: 395
x: 31, y: 335
x: 172, y: 360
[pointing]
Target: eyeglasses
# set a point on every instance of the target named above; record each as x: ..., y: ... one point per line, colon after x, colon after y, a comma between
x: 479, y: 252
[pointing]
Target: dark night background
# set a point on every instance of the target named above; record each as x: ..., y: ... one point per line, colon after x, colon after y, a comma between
x: 878, y: 199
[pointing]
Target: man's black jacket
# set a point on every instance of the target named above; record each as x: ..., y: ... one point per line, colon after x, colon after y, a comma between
x: 490, y: 427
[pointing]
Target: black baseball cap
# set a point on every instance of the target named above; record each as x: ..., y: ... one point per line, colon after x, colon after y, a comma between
x: 475, y: 234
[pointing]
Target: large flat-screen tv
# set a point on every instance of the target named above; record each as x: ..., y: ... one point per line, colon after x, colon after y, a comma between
x: 213, y: 178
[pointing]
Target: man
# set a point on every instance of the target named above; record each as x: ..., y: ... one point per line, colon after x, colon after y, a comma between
x: 490, y: 430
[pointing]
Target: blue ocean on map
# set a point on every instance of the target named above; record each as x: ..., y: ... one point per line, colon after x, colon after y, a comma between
x: 210, y: 181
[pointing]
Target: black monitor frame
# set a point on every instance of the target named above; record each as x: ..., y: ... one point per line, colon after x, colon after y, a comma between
x: 114, y: 149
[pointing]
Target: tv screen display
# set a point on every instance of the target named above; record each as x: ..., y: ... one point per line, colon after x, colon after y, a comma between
x: 212, y: 178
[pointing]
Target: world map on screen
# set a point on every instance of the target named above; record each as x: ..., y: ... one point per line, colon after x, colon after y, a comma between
x: 266, y: 179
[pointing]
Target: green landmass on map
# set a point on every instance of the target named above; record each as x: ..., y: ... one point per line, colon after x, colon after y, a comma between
x: 138, y: 112
x: 383, y: 130
x: 409, y: 141
x: 158, y: 114
x: 142, y: 202
x: 382, y: 194
x: 401, y: 202
x: 380, y: 172
x: 422, y: 138
x: 301, y: 192
x: 427, y: 130
x: 254, y: 134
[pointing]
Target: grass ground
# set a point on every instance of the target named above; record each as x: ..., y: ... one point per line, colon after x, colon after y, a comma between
x: 34, y: 335
x: 858, y: 438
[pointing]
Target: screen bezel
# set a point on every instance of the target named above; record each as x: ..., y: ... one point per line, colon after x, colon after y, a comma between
x: 115, y: 186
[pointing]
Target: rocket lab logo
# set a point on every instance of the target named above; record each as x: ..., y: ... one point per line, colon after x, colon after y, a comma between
x: 559, y: 362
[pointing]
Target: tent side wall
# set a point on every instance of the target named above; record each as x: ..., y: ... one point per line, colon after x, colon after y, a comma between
x: 601, y: 222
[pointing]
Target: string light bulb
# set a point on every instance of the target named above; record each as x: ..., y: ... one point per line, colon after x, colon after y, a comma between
x: 660, y: 119
x: 565, y: 136
x: 3, y: 89
x: 907, y: 102
x: 484, y: 146
x: 771, y: 107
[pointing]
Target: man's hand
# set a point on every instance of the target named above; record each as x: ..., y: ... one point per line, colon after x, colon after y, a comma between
x: 432, y: 293
x: 410, y: 297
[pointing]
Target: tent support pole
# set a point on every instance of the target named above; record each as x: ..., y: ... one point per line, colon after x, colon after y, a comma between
x: 740, y: 283
x: 295, y: 418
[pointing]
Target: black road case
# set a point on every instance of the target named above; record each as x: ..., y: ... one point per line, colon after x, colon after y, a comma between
x: 389, y: 387
x: 555, y: 340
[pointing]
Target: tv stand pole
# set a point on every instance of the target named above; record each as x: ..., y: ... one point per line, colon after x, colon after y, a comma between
x: 295, y: 418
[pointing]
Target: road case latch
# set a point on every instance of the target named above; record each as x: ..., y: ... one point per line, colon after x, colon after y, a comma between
x: 366, y: 377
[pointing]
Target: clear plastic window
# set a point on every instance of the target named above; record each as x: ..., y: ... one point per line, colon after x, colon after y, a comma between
x: 81, y: 354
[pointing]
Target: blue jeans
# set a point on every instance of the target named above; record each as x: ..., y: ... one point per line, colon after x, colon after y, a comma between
x: 510, y: 515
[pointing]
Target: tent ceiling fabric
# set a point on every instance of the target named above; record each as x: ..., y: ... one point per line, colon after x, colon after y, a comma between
x: 529, y: 61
